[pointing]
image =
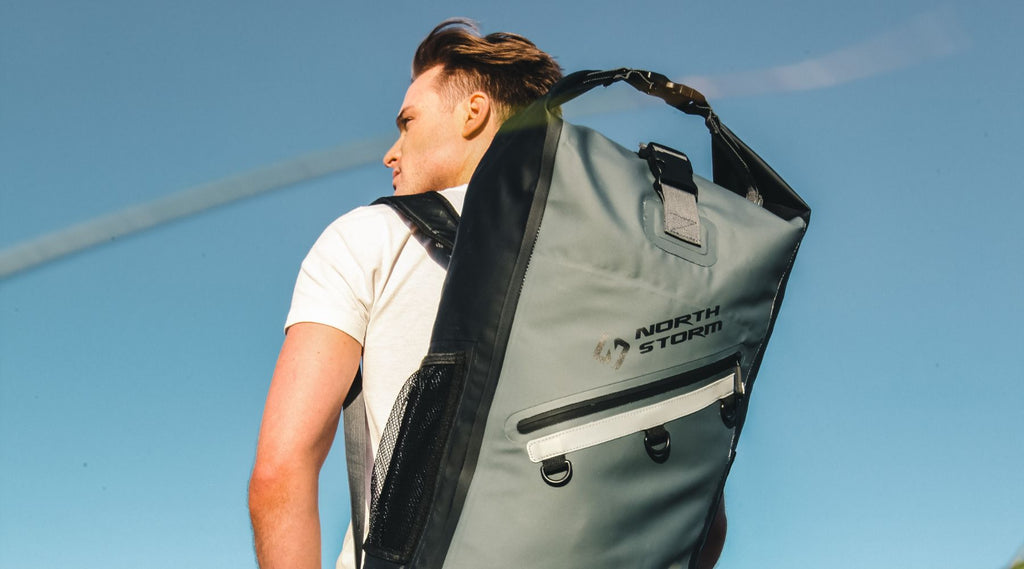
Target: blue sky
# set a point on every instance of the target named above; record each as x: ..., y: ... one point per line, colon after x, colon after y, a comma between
x: 883, y: 429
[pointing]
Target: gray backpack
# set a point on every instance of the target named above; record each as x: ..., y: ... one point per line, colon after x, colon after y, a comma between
x: 603, y: 320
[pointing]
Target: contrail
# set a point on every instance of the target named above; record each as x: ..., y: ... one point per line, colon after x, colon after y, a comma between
x: 927, y: 36
x: 189, y: 201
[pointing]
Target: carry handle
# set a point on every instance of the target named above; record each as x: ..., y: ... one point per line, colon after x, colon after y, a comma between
x: 682, y: 97
x: 677, y: 95
x: 735, y: 165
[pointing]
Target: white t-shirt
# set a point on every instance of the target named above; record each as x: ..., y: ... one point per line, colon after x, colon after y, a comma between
x: 370, y: 276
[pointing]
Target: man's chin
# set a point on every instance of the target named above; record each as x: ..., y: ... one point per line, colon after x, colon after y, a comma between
x: 400, y: 189
x: 406, y: 190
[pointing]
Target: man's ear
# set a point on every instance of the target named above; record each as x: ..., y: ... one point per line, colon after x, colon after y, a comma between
x: 478, y: 114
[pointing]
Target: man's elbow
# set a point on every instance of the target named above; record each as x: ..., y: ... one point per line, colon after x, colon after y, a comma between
x: 272, y: 481
x: 265, y: 488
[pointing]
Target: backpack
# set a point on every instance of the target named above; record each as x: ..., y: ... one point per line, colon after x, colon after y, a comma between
x: 603, y: 320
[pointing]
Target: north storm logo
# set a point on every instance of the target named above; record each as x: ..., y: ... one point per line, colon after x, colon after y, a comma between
x: 679, y: 329
x: 611, y: 352
x: 662, y: 334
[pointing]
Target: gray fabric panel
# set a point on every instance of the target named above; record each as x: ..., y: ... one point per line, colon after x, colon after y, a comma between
x: 356, y: 436
x: 595, y: 275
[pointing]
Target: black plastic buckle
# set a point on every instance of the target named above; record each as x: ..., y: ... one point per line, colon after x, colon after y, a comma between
x: 730, y: 406
x: 669, y: 166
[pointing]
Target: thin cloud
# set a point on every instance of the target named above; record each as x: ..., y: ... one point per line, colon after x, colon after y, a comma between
x: 927, y: 36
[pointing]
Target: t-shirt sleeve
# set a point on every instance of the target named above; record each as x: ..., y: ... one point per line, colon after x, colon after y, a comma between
x: 337, y: 282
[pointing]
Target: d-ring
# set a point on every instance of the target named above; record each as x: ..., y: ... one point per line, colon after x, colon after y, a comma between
x: 556, y: 471
x: 658, y: 444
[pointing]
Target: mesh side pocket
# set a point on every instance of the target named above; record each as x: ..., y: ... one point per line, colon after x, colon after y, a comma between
x: 408, y: 459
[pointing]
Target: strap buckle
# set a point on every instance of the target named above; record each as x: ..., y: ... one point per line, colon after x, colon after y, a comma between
x: 673, y: 180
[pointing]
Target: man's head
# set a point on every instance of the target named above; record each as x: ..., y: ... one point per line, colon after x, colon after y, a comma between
x: 464, y: 86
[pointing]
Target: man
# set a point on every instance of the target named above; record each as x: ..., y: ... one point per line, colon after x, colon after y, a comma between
x: 369, y: 289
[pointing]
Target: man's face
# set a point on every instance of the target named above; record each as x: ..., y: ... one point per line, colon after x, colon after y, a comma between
x: 430, y: 150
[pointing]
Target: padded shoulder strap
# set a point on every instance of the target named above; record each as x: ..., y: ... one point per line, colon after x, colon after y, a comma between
x: 431, y: 213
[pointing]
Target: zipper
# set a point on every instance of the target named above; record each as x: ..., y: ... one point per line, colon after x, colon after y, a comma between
x: 625, y: 397
x: 649, y: 418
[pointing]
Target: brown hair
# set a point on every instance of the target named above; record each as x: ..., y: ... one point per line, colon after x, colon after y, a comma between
x: 508, y: 67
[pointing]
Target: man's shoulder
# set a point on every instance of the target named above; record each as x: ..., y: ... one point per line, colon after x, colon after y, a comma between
x: 378, y: 225
x: 377, y: 217
x: 366, y: 218
x: 366, y: 227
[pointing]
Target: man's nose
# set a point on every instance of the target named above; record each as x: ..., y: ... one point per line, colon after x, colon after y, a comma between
x: 392, y: 155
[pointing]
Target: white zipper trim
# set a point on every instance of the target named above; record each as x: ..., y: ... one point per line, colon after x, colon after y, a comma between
x: 629, y: 422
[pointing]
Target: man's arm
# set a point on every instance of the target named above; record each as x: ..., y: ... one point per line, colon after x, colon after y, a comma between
x: 313, y: 375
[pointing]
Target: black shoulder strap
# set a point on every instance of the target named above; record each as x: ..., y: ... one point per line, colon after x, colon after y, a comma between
x: 431, y: 213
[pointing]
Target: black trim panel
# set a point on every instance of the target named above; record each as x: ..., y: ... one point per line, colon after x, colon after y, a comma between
x: 500, y: 220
